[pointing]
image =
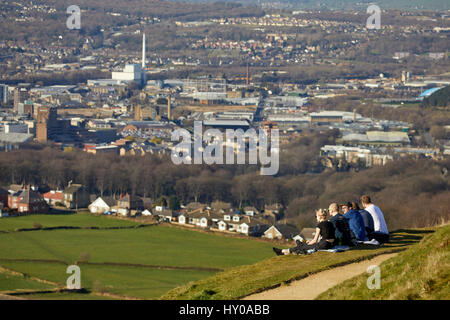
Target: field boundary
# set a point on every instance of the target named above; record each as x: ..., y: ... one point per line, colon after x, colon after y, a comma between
x: 59, y: 288
x: 78, y: 228
x: 24, y: 275
x: 65, y: 290
x: 118, y: 264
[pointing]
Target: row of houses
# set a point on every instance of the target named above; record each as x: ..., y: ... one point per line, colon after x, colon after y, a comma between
x: 243, y: 224
x: 28, y: 199
x: 219, y: 216
x: 125, y: 205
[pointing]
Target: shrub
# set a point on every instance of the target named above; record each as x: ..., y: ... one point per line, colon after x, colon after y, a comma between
x: 37, y: 225
x: 84, y: 257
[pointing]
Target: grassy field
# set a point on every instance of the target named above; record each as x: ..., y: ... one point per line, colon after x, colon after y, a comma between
x: 421, y: 272
x: 163, y: 262
x: 131, y: 262
x: 244, y: 280
x: 59, y: 220
x: 10, y: 282
x: 155, y: 245
x: 125, y: 281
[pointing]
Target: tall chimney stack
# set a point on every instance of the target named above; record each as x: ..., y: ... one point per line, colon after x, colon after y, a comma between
x: 168, y: 109
x: 143, y: 75
x: 247, y: 78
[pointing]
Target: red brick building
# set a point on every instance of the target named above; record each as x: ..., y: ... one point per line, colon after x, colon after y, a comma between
x: 27, y: 201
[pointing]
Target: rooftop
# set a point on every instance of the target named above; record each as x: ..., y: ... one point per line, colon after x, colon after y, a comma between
x: 14, y: 137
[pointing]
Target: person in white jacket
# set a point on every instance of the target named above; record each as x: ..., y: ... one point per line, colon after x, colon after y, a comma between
x: 380, y: 233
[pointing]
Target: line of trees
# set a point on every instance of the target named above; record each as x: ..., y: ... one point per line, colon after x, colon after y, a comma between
x: 412, y: 193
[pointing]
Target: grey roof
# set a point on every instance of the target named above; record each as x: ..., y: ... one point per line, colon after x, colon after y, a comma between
x: 110, y: 201
x: 378, y: 136
x: 355, y: 137
x: 29, y: 196
x: 168, y: 213
x: 287, y: 230
x: 256, y: 222
x: 220, y: 205
x: 391, y: 136
x: 194, y: 205
x: 14, y: 137
x: 242, y: 123
x: 72, y: 188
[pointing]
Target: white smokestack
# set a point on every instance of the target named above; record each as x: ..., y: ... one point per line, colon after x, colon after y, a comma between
x: 143, y: 51
x: 143, y: 76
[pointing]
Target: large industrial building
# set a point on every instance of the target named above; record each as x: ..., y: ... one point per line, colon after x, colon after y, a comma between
x: 131, y: 72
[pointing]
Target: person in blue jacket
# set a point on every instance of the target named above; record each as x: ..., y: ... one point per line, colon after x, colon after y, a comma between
x: 356, y: 221
x: 367, y: 217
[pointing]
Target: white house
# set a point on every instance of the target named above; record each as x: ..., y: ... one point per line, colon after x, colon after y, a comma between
x: 243, y: 228
x: 251, y: 211
x: 222, y: 225
x: 167, y: 215
x: 146, y: 212
x: 236, y: 218
x: 253, y: 227
x: 123, y: 211
x: 205, y: 222
x: 101, y: 205
x: 233, y: 221
x: 182, y: 219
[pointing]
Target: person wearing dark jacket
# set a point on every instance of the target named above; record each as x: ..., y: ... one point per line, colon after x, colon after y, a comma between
x: 342, y: 230
x: 356, y: 221
x: 368, y: 220
x: 324, y: 229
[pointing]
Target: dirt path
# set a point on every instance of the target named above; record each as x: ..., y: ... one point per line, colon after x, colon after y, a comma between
x: 6, y: 297
x: 310, y: 287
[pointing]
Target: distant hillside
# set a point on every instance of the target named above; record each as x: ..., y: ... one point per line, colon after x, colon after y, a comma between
x: 440, y: 98
x: 421, y: 272
x: 349, y: 4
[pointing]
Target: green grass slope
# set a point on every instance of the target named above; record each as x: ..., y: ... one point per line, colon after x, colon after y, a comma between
x: 421, y: 272
x: 244, y: 280
x: 132, y: 262
x: 155, y: 245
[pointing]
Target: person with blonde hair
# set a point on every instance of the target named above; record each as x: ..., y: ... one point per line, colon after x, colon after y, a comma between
x: 324, y: 230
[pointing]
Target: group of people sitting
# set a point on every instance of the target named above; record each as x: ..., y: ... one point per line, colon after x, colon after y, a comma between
x: 351, y: 226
